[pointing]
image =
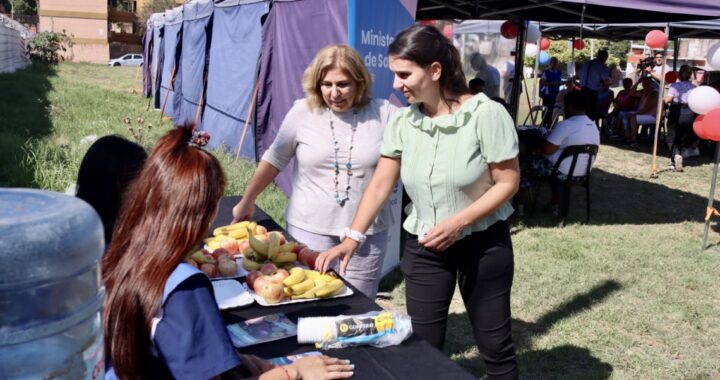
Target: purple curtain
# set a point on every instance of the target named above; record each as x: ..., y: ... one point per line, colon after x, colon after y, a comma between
x: 293, y: 32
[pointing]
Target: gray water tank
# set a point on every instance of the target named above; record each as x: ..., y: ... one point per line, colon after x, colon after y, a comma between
x: 50, y: 288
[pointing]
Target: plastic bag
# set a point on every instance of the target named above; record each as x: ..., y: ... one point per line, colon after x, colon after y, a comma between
x: 375, y: 328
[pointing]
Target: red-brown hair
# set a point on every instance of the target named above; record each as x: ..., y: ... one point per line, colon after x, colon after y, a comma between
x: 165, y: 215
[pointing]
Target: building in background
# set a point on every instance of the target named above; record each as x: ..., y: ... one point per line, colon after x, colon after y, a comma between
x: 101, y: 29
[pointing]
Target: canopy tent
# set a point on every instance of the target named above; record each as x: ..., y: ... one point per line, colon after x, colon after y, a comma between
x: 597, y: 11
x: 158, y: 21
x: 688, y: 29
x: 232, y: 73
x: 171, y: 78
x: 196, y: 37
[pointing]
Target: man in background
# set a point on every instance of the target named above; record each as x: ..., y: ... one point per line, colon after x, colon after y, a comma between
x: 594, y: 76
x: 488, y: 73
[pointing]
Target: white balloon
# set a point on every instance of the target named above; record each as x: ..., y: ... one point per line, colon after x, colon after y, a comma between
x: 703, y: 99
x: 533, y: 32
x: 713, y: 56
x: 531, y: 50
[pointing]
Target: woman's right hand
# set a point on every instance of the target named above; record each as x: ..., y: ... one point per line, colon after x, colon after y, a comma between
x: 323, y: 367
x: 244, y: 210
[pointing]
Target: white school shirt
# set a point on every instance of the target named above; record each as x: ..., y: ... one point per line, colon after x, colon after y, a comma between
x: 576, y: 130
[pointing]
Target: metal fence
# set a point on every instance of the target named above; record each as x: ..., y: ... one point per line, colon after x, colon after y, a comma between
x: 13, y: 42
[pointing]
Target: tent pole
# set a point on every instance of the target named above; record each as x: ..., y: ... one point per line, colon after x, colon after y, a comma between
x: 658, y: 114
x: 711, y: 197
x: 200, y: 101
x: 535, y: 70
x: 519, y: 55
x: 170, y: 87
x: 247, y: 118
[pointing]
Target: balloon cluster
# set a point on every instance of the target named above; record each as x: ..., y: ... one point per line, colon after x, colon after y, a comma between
x: 705, y: 101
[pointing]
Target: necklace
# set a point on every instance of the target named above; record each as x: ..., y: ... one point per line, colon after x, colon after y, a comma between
x: 348, y: 165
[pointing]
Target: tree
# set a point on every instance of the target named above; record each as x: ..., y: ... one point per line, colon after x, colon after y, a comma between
x: 617, y: 51
x: 153, y: 6
x: 20, y: 7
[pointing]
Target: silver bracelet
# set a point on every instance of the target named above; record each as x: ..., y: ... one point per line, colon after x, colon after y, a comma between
x: 358, y: 236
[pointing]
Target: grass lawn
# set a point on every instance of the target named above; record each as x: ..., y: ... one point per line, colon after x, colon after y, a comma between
x: 628, y: 296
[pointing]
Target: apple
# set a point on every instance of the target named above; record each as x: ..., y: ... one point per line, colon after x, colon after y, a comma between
x: 209, y: 269
x: 220, y: 252
x: 260, y: 282
x: 279, y: 276
x: 244, y: 246
x: 268, y: 269
x: 298, y: 247
x: 228, y: 243
x: 307, y: 256
x: 227, y: 267
x: 260, y: 230
x: 272, y: 293
x: 251, y: 277
x: 193, y: 263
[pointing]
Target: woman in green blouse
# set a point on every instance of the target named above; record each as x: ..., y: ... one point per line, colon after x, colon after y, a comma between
x: 457, y: 156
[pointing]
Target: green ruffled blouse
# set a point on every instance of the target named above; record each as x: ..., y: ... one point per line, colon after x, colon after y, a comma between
x: 445, y: 160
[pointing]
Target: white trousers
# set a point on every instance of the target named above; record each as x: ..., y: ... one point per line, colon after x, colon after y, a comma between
x: 365, y: 266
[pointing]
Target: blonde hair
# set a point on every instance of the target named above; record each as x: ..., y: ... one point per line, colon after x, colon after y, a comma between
x: 340, y: 57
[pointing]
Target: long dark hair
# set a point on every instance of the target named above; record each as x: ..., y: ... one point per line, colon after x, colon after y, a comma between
x: 424, y: 44
x: 165, y: 214
x: 105, y: 172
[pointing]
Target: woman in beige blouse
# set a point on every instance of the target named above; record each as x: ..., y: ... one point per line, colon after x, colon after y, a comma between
x: 334, y: 135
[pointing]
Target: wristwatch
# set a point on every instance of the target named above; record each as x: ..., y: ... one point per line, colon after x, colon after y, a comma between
x: 354, y: 235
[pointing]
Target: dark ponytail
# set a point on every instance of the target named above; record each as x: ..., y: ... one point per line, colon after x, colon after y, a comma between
x: 424, y: 45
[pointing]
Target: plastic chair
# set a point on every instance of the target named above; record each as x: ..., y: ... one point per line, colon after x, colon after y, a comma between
x: 535, y: 113
x: 566, y: 182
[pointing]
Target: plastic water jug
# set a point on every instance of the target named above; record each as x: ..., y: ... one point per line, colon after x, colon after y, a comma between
x: 50, y: 288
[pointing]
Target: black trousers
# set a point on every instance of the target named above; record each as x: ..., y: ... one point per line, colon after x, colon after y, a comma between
x: 591, y: 106
x: 482, y: 265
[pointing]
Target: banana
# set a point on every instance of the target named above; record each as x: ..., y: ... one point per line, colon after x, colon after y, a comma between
x: 309, y: 273
x: 285, y: 257
x: 249, y: 264
x: 238, y: 226
x: 210, y: 239
x: 259, y: 246
x: 320, y: 282
x: 238, y: 234
x: 307, y: 295
x: 213, y: 245
x: 333, y: 287
x: 273, y: 245
x: 303, y: 286
x: 327, y: 277
x: 297, y: 275
x: 287, y: 292
x: 287, y: 247
x: 252, y: 226
x: 200, y: 258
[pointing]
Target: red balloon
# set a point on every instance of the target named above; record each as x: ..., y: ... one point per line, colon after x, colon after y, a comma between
x: 579, y: 44
x: 671, y: 77
x: 656, y: 39
x: 544, y: 43
x: 508, y: 29
x: 711, y: 124
x: 698, y: 127
x: 447, y: 31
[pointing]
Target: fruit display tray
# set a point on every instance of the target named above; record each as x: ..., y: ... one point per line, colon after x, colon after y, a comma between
x: 346, y: 292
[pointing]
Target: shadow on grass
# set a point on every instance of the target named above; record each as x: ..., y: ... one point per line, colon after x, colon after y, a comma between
x: 567, y: 361
x: 24, y: 115
x: 617, y: 199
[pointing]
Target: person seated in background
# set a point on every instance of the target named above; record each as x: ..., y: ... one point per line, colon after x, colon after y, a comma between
x: 646, y: 113
x: 550, y: 82
x: 680, y: 138
x: 476, y: 85
x: 576, y: 129
x: 623, y: 102
x: 106, y: 170
x: 558, y: 107
x: 160, y: 317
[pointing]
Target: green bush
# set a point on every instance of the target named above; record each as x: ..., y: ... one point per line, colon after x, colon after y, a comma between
x: 45, y: 47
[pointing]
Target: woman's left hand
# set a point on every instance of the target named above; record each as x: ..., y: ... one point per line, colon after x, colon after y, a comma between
x: 441, y: 236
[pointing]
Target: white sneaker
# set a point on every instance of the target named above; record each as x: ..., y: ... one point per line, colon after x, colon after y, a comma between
x: 678, y: 163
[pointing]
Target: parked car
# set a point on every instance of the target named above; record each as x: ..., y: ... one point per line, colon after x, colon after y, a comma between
x: 127, y: 60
